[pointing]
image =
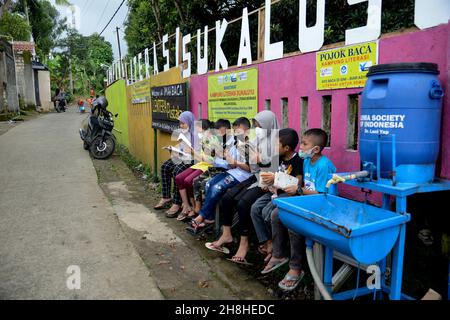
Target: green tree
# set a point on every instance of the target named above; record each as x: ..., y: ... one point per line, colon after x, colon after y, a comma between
x: 44, y: 19
x: 16, y: 26
x: 88, y: 55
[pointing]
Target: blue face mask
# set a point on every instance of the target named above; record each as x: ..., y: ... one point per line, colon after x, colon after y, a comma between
x: 306, y: 154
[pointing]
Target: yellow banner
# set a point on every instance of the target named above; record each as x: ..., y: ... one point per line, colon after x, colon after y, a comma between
x: 345, y: 67
x: 232, y: 95
x: 140, y: 91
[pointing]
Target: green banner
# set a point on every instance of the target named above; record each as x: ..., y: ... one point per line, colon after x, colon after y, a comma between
x: 233, y: 95
x: 140, y: 91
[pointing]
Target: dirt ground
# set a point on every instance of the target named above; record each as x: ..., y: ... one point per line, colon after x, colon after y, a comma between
x: 184, y: 268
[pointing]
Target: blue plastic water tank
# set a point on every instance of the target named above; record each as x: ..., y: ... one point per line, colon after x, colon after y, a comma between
x: 405, y: 100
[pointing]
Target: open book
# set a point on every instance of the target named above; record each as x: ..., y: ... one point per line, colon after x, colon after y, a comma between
x: 283, y: 180
x: 176, y: 150
x: 183, y: 138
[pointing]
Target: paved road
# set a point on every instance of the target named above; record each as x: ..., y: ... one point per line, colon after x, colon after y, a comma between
x: 54, y: 215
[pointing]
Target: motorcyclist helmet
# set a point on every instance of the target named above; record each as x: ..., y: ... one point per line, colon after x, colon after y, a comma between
x: 101, y: 102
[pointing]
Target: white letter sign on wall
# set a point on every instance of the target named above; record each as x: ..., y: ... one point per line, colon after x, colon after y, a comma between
x: 165, y: 52
x: 177, y: 47
x: 130, y: 79
x: 311, y: 39
x: 202, y: 63
x: 135, y: 69
x: 245, y: 47
x: 221, y: 60
x: 186, y: 56
x: 155, y: 62
x: 140, y: 66
x: 147, y: 63
x: 431, y: 13
x: 373, y: 28
x: 272, y: 51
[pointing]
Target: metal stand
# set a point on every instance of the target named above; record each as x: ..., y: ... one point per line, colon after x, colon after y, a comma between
x: 400, y: 191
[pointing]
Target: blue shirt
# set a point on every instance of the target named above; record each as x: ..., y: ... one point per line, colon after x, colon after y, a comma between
x: 238, y: 173
x: 316, y: 175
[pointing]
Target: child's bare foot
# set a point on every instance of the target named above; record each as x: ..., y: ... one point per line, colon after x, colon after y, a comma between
x: 274, y: 263
x: 197, y: 207
x: 222, y: 240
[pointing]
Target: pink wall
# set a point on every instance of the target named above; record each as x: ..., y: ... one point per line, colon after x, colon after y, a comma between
x: 294, y: 77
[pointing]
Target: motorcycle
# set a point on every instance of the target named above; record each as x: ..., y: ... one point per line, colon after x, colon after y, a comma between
x: 96, y: 133
x: 60, y: 105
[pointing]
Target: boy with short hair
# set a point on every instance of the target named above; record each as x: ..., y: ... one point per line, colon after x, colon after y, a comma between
x: 316, y: 170
x: 289, y: 163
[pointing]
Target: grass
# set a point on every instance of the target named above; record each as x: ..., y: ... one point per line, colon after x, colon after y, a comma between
x: 135, y: 165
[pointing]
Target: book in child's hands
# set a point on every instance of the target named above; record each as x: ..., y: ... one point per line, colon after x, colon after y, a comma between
x: 263, y: 175
x: 176, y: 150
x: 283, y: 180
x: 183, y: 138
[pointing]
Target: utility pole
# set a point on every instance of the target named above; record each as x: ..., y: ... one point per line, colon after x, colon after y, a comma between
x: 120, y: 52
x: 70, y: 73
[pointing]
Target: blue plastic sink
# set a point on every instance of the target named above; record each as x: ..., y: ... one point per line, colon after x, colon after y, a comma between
x: 363, y: 232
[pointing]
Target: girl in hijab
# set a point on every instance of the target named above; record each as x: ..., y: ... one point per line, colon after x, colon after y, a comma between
x: 175, y: 165
x: 241, y: 197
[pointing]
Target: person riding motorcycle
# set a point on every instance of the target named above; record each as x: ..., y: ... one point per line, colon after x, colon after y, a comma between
x: 60, y: 100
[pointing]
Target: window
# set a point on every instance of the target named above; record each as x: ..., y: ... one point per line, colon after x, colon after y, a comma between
x: 200, y: 110
x: 352, y: 124
x: 326, y: 117
x: 304, y: 116
x: 284, y: 112
x: 267, y: 104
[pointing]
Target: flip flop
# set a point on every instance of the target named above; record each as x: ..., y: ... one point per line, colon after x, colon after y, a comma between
x: 275, y: 265
x: 182, y: 216
x: 163, y: 206
x: 221, y: 249
x: 240, y: 260
x: 288, y: 277
x: 199, y: 228
x: 172, y: 214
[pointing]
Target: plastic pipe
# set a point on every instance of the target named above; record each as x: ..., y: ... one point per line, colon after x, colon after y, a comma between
x: 312, y: 267
x: 394, y: 160
x: 350, y: 176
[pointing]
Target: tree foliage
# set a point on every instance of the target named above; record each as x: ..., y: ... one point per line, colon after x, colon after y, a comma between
x: 88, y: 57
x: 15, y: 26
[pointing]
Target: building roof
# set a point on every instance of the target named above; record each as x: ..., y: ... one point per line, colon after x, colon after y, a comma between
x: 36, y: 65
x: 23, y: 46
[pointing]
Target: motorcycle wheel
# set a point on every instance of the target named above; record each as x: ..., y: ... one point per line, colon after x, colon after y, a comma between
x: 100, y: 149
x: 85, y: 145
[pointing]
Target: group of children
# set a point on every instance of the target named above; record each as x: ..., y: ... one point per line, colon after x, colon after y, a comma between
x: 234, y: 171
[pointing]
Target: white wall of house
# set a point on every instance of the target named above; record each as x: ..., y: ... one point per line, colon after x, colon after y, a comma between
x: 44, y: 90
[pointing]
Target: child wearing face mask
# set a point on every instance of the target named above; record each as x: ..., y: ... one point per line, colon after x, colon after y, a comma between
x: 220, y: 165
x: 175, y: 165
x: 204, y: 161
x: 238, y: 159
x: 316, y: 171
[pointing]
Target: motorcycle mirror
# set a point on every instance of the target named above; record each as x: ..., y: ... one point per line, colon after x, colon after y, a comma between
x: 116, y: 115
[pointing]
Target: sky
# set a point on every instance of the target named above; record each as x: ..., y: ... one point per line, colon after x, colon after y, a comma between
x: 93, y: 15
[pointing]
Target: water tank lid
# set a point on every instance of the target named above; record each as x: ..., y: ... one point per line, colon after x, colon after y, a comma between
x: 426, y: 67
